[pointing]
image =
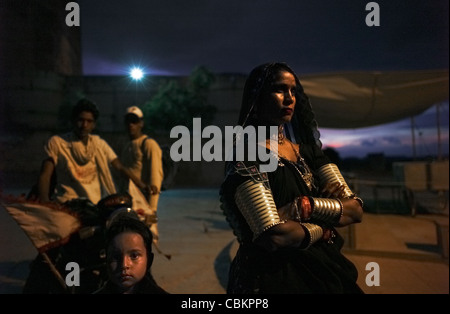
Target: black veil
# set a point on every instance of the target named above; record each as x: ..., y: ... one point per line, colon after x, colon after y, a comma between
x: 303, y: 127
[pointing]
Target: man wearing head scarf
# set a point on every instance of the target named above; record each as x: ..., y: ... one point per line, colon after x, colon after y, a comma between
x: 142, y: 156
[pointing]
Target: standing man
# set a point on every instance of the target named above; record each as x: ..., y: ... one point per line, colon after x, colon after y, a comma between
x: 77, y: 166
x: 142, y: 156
x: 81, y: 161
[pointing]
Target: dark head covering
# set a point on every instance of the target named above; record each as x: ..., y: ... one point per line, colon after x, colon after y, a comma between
x: 128, y: 221
x: 304, y: 124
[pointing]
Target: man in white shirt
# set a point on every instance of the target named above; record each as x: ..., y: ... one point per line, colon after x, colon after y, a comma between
x: 81, y: 161
x: 142, y: 156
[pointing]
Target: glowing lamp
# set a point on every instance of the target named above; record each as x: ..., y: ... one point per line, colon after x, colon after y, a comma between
x: 136, y: 74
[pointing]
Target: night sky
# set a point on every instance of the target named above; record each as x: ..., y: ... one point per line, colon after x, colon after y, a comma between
x: 173, y: 37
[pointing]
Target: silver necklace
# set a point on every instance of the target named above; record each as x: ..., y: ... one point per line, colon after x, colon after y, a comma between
x: 281, y: 135
x: 302, y: 168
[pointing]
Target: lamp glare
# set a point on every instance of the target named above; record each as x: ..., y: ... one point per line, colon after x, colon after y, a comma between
x: 136, y: 74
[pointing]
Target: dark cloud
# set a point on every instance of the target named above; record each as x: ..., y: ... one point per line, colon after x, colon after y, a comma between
x: 173, y: 37
x: 391, y: 140
x: 233, y: 36
x: 369, y: 142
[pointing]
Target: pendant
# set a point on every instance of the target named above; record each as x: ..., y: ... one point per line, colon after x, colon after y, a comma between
x: 307, y: 177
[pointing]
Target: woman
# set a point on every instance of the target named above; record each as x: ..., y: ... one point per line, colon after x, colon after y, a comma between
x: 285, y: 220
x: 129, y: 257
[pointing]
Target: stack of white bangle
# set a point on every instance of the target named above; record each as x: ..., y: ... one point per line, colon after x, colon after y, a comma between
x: 256, y: 204
x: 330, y: 173
x: 326, y: 210
x: 314, y: 233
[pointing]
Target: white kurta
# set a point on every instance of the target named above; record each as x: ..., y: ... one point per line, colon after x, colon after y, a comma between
x: 81, y: 171
x: 145, y: 162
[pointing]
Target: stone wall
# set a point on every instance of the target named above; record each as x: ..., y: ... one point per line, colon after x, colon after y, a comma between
x: 41, y: 79
x: 38, y: 104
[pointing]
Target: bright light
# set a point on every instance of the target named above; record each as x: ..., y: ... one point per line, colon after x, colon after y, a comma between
x: 136, y: 74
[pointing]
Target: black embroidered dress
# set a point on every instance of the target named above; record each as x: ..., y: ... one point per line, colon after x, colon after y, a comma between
x: 321, y: 268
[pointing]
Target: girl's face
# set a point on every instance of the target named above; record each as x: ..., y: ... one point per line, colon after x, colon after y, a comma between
x: 127, y: 260
x: 278, y: 100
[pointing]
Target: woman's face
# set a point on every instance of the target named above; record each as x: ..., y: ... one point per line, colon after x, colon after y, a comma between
x: 278, y: 100
x: 127, y: 260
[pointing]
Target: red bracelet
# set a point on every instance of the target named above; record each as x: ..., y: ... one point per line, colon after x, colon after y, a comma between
x: 305, y: 206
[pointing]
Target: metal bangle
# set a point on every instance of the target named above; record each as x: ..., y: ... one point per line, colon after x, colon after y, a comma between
x: 294, y: 205
x: 313, y: 232
x: 342, y: 209
x: 326, y: 210
x: 360, y: 201
x: 256, y: 204
x: 331, y: 173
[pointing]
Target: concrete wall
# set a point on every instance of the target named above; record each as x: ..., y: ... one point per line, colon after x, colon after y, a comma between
x: 41, y: 79
x: 114, y: 94
x: 35, y: 37
x: 38, y: 103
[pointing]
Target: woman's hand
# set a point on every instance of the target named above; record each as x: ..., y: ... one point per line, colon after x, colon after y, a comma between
x: 352, y: 209
x: 353, y: 212
x: 333, y: 190
x: 288, y: 234
x: 289, y: 211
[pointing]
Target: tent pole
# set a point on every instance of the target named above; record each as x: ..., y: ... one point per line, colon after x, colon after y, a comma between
x: 413, y: 138
x: 54, y: 270
x: 439, y: 154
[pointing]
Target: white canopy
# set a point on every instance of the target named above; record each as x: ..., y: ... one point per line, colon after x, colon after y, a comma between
x: 361, y: 99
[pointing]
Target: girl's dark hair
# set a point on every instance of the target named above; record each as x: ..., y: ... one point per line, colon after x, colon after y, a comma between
x: 127, y: 222
x: 85, y: 104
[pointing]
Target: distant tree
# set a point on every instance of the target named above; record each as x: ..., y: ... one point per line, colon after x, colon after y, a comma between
x: 333, y: 155
x: 175, y: 104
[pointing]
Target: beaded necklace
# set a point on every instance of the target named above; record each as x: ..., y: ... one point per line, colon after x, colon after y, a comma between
x: 281, y: 136
x: 302, y: 168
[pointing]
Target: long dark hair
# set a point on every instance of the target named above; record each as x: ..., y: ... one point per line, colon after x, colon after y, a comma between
x: 304, y: 124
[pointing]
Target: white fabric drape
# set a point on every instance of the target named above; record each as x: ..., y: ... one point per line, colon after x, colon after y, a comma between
x: 361, y: 99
